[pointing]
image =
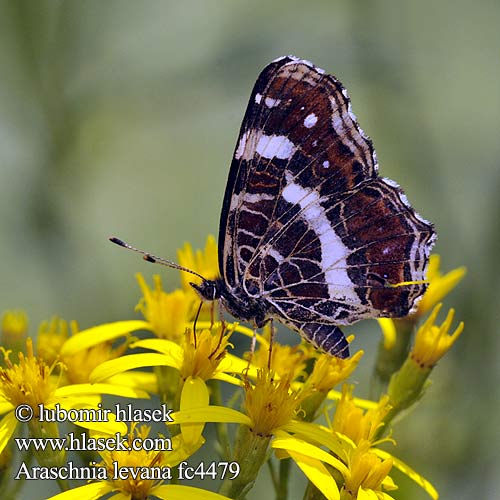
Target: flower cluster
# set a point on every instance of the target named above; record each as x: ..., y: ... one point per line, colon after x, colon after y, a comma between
x: 285, y: 407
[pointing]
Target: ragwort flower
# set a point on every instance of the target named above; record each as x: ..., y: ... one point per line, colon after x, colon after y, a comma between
x: 29, y: 384
x: 138, y: 473
x: 167, y: 313
x: 439, y: 285
x: 13, y: 328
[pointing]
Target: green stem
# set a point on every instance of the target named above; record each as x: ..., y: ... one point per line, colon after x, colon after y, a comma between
x: 390, y: 360
x: 48, y: 458
x: 250, y: 453
x: 406, y: 387
x: 220, y: 428
x: 168, y: 380
x: 282, y: 492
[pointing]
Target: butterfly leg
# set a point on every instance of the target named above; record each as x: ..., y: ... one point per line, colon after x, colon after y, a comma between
x: 254, y: 343
x: 222, y: 325
x: 271, y: 340
x: 196, y: 321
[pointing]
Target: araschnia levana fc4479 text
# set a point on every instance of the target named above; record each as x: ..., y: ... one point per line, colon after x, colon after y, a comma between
x: 309, y: 234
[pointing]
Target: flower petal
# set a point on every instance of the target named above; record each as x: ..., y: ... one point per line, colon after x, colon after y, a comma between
x: 366, y: 494
x: 7, y: 427
x: 91, y: 491
x: 211, y: 414
x: 233, y: 364
x: 365, y: 404
x: 115, y: 390
x: 101, y: 333
x: 408, y: 471
x: 389, y: 332
x: 194, y: 395
x: 5, y: 406
x: 311, y: 432
x: 120, y: 365
x: 162, y: 346
x: 146, y: 381
x: 318, y: 474
x: 292, y: 444
x: 224, y: 377
x: 181, y: 451
x: 180, y: 492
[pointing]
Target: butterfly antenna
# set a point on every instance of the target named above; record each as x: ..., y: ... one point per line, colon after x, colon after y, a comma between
x: 153, y: 258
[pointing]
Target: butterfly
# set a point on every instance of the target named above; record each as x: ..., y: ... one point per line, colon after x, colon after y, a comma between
x: 309, y: 234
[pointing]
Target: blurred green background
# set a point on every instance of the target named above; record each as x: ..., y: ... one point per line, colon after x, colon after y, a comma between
x: 120, y: 118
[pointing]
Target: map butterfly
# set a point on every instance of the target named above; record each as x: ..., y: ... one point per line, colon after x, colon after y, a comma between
x: 309, y: 233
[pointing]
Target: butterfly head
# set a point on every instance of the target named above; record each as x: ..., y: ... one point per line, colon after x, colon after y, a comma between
x: 208, y: 289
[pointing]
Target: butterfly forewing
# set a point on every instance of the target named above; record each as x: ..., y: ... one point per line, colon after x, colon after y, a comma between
x: 308, y: 229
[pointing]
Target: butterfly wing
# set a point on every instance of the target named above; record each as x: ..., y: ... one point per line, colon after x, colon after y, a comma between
x: 307, y: 224
x: 276, y: 137
x: 351, y: 259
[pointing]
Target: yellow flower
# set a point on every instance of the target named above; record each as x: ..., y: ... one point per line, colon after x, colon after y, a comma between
x: 80, y: 365
x: 196, y: 363
x: 270, y: 406
x: 134, y: 458
x: 352, y: 439
x: 367, y: 473
x: 270, y: 403
x: 167, y: 313
x: 51, y: 337
x: 329, y: 371
x: 14, y: 327
x: 91, y: 348
x: 29, y: 384
x: 407, y: 385
x: 287, y: 361
x: 397, y: 333
x: 432, y: 342
x: 137, y: 474
x: 203, y: 262
x: 271, y: 412
x: 389, y: 332
x: 205, y: 359
x: 439, y: 285
x: 351, y: 421
x: 203, y: 356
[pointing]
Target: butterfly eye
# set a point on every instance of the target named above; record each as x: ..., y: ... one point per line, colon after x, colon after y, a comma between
x: 208, y: 289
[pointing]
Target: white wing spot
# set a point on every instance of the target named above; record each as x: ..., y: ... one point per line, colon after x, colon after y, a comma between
x: 249, y: 198
x: 271, y: 103
x: 310, y: 120
x: 258, y: 98
x: 326, y: 164
x: 268, y: 146
x: 279, y: 146
x: 241, y: 150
